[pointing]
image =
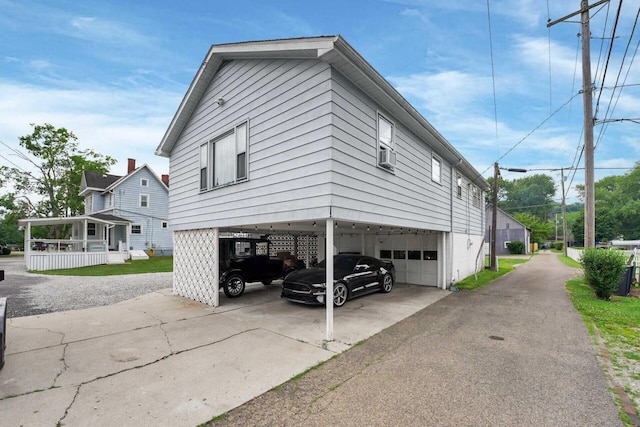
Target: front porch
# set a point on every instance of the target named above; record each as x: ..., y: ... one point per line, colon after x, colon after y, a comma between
x: 88, y: 245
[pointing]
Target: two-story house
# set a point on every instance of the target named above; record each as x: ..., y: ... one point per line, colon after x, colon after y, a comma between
x: 136, y: 204
x: 304, y: 137
x: 122, y: 214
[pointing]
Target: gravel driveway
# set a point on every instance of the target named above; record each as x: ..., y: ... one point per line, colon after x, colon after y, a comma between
x: 29, y: 294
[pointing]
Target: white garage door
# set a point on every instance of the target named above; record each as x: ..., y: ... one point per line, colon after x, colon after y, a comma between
x: 415, y: 258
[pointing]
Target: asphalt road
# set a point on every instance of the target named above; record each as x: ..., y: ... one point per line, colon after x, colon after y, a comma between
x: 515, y: 353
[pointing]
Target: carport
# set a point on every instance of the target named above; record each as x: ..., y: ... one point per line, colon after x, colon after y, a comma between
x: 418, y: 255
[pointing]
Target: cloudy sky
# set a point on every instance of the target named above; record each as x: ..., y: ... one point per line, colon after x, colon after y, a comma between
x: 490, y: 76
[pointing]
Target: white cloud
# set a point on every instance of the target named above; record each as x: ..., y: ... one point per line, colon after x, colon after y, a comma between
x: 120, y: 123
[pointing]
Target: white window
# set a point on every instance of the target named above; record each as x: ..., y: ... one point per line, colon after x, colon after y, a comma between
x: 88, y: 205
x: 164, y: 224
x: 506, y: 244
x: 144, y: 182
x: 223, y: 160
x: 459, y: 186
x: 136, y: 229
x: 435, y: 169
x: 476, y: 196
x: 386, y: 142
x: 109, y: 202
x: 144, y: 201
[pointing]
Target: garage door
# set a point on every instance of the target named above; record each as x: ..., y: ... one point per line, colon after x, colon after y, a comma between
x: 415, y: 258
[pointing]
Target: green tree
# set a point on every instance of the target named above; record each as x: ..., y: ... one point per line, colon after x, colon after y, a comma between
x: 532, y: 194
x: 51, y: 188
x: 540, y: 230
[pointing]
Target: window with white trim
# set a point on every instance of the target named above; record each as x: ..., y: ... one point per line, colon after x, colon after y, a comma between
x: 91, y: 229
x: 224, y: 160
x: 459, y: 186
x: 436, y: 170
x: 136, y: 228
x: 164, y: 224
x: 144, y: 201
x: 386, y: 142
x: 144, y: 182
x: 475, y: 193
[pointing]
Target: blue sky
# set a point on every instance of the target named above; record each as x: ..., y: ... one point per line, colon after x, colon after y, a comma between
x: 114, y: 72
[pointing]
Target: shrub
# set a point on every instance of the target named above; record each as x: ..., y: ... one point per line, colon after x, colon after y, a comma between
x: 558, y: 246
x: 6, y: 251
x: 603, y: 270
x: 516, y: 247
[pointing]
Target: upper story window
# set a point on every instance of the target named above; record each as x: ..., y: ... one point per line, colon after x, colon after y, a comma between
x: 144, y: 182
x: 144, y: 201
x: 475, y: 192
x: 386, y: 142
x: 223, y: 160
x: 88, y: 204
x: 436, y: 171
x: 109, y: 201
x: 459, y: 185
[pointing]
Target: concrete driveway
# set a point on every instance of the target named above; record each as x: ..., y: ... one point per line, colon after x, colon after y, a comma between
x: 162, y: 360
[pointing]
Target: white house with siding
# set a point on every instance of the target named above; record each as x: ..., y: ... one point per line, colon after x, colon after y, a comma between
x: 304, y: 137
x: 122, y: 213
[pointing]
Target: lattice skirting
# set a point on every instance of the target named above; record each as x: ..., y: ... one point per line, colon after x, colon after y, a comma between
x: 193, y: 265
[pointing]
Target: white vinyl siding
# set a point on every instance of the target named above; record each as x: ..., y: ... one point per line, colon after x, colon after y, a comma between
x: 288, y: 157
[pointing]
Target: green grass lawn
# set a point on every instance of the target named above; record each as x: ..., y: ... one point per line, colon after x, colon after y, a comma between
x: 486, y: 276
x: 155, y: 264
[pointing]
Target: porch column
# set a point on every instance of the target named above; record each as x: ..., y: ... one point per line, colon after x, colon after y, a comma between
x: 27, y: 245
x: 329, y: 279
x: 216, y: 267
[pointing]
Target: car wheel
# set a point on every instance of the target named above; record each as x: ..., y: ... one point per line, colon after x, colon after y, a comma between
x: 387, y: 283
x: 340, y: 294
x: 234, y: 286
x: 267, y: 282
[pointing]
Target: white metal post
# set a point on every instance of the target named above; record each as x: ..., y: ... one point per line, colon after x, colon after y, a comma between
x: 329, y: 279
x: 216, y: 267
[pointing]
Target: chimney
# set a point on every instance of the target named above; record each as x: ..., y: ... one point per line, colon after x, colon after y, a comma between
x: 165, y: 179
x: 131, y: 165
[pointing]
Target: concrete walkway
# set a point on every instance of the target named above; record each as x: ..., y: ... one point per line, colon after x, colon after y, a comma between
x: 162, y: 360
x: 515, y: 353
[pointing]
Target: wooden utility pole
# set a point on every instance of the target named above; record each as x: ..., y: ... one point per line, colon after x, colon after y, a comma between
x: 564, y: 215
x: 494, y: 218
x: 587, y: 100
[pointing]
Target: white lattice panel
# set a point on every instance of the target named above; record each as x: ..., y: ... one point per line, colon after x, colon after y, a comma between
x: 193, y: 265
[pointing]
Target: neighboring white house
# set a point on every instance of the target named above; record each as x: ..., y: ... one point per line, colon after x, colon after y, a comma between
x: 122, y: 213
x: 508, y: 229
x: 304, y: 137
x: 136, y: 203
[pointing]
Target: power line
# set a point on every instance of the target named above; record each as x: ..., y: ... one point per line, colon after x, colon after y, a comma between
x: 493, y: 76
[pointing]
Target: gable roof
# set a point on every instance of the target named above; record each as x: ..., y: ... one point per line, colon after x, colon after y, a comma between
x: 95, y: 181
x: 489, y: 209
x: 335, y: 51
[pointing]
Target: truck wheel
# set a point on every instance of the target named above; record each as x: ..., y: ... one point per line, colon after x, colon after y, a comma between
x: 234, y: 286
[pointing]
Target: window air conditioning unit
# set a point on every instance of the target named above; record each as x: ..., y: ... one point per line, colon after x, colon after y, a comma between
x: 387, y: 159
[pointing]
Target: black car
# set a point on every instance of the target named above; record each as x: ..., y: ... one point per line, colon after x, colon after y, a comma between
x: 353, y: 275
x: 245, y: 260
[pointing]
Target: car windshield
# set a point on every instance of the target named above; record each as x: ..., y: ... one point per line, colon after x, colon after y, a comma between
x: 342, y: 262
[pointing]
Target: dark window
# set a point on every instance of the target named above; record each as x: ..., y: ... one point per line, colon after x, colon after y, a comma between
x: 91, y: 229
x: 414, y: 255
x: 385, y: 254
x: 399, y: 255
x: 430, y: 255
x: 136, y: 229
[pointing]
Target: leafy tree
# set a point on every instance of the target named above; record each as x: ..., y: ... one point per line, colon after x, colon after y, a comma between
x: 540, y: 230
x: 51, y: 190
x: 532, y: 194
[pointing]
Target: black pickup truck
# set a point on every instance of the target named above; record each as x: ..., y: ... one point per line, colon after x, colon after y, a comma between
x: 246, y: 260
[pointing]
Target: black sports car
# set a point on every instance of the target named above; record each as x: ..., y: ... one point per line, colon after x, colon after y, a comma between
x: 353, y: 275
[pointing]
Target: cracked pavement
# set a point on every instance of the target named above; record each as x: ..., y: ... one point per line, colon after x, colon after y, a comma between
x: 160, y: 359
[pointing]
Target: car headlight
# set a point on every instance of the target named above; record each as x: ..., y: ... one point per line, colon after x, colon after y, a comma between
x: 319, y: 285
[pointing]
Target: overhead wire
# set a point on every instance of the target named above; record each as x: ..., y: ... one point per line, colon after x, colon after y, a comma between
x: 493, y: 76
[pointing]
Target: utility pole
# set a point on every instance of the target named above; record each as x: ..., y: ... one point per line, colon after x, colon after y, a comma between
x: 564, y: 215
x: 494, y: 218
x: 587, y: 100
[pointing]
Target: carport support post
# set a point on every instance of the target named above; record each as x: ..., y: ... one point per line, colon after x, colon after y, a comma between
x: 216, y: 267
x: 329, y: 279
